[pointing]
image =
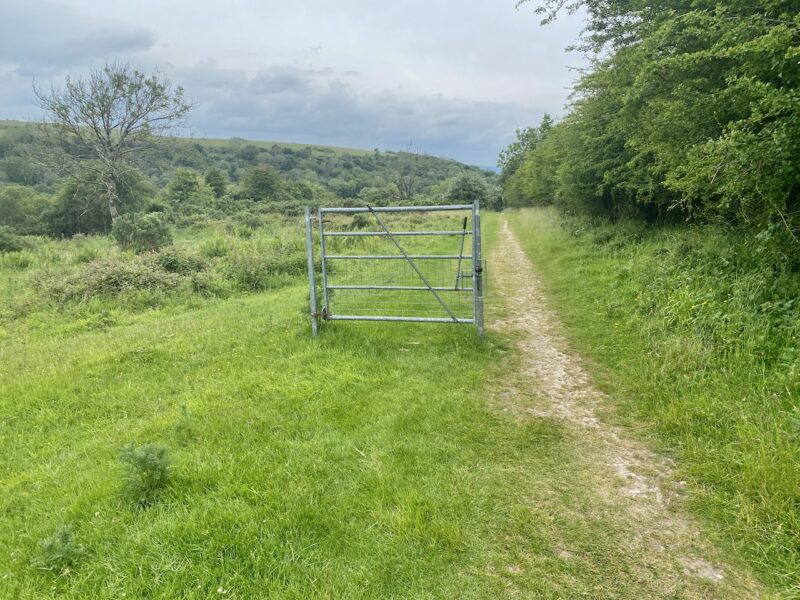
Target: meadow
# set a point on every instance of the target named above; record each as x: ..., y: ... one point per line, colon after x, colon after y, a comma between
x: 170, y: 429
x: 297, y: 467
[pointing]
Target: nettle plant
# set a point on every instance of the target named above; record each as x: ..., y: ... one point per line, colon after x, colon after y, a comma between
x: 147, y: 472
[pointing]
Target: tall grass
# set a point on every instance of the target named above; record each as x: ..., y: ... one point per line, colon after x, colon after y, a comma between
x: 60, y: 281
x: 695, y: 330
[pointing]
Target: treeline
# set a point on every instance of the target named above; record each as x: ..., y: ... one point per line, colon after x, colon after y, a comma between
x: 181, y: 179
x: 690, y: 110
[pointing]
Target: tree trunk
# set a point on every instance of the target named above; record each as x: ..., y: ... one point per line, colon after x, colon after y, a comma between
x: 113, y: 199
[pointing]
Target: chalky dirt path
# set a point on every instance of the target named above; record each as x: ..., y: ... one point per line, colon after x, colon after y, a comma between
x: 630, y: 490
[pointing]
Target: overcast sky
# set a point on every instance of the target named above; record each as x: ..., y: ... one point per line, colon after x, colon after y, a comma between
x: 452, y: 77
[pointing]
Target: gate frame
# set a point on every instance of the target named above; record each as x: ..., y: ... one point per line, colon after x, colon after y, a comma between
x: 477, y: 262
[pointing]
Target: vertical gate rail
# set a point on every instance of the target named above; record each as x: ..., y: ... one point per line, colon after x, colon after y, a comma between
x: 476, y: 289
x: 312, y: 280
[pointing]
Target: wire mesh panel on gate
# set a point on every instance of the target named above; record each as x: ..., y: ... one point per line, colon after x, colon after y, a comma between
x: 399, y: 264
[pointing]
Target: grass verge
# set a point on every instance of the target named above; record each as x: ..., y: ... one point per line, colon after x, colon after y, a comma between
x: 692, y: 337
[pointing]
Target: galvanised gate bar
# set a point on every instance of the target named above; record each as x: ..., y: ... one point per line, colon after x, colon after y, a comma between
x: 402, y: 263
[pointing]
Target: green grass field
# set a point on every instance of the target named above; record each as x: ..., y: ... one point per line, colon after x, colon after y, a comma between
x: 360, y: 464
x: 371, y: 462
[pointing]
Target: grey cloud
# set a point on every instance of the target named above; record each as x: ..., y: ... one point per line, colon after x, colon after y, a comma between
x: 40, y: 38
x: 289, y: 103
x: 382, y: 92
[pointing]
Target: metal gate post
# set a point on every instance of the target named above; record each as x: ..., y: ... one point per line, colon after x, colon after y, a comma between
x: 477, y: 268
x: 323, y: 258
x: 312, y: 292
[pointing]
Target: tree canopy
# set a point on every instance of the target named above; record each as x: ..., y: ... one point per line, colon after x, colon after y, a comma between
x: 99, y: 121
x: 690, y: 110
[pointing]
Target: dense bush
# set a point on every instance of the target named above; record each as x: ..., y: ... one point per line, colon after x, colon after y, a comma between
x: 81, y: 204
x: 261, y: 182
x: 142, y: 232
x: 10, y: 241
x: 188, y: 193
x: 254, y: 269
x: 215, y: 247
x: 23, y: 209
x: 177, y: 261
x: 468, y: 188
x: 216, y: 180
x: 111, y: 278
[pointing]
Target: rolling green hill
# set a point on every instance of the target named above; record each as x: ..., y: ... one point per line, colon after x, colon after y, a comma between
x: 345, y: 172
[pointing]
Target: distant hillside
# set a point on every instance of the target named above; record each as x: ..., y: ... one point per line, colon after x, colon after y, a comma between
x: 346, y: 172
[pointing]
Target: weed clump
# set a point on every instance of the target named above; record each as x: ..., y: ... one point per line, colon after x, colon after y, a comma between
x: 147, y: 472
x: 17, y: 261
x: 254, y: 269
x: 215, y: 248
x: 60, y: 552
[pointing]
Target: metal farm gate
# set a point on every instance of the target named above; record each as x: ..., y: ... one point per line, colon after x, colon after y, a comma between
x: 403, y: 263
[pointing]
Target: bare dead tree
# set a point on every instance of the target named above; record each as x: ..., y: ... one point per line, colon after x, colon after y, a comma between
x: 95, y: 123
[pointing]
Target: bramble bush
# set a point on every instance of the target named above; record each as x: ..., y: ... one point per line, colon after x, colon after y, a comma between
x: 142, y: 232
x: 111, y: 278
x: 177, y: 261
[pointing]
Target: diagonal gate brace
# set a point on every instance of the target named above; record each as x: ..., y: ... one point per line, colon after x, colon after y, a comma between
x: 413, y: 266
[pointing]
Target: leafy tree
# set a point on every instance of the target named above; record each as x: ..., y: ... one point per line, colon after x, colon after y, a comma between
x: 188, y: 193
x: 689, y: 110
x: 514, y: 162
x: 468, y: 188
x: 248, y: 153
x: 22, y: 209
x: 408, y: 166
x: 99, y: 121
x: 384, y: 195
x: 80, y: 205
x: 511, y: 157
x: 21, y: 170
x: 216, y: 180
x: 260, y: 183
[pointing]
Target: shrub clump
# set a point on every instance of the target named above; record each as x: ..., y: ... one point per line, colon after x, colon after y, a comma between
x: 10, y: 241
x: 60, y: 552
x: 142, y: 232
x: 215, y: 248
x: 359, y: 221
x: 173, y: 260
x: 253, y: 269
x: 113, y: 277
x: 147, y: 472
